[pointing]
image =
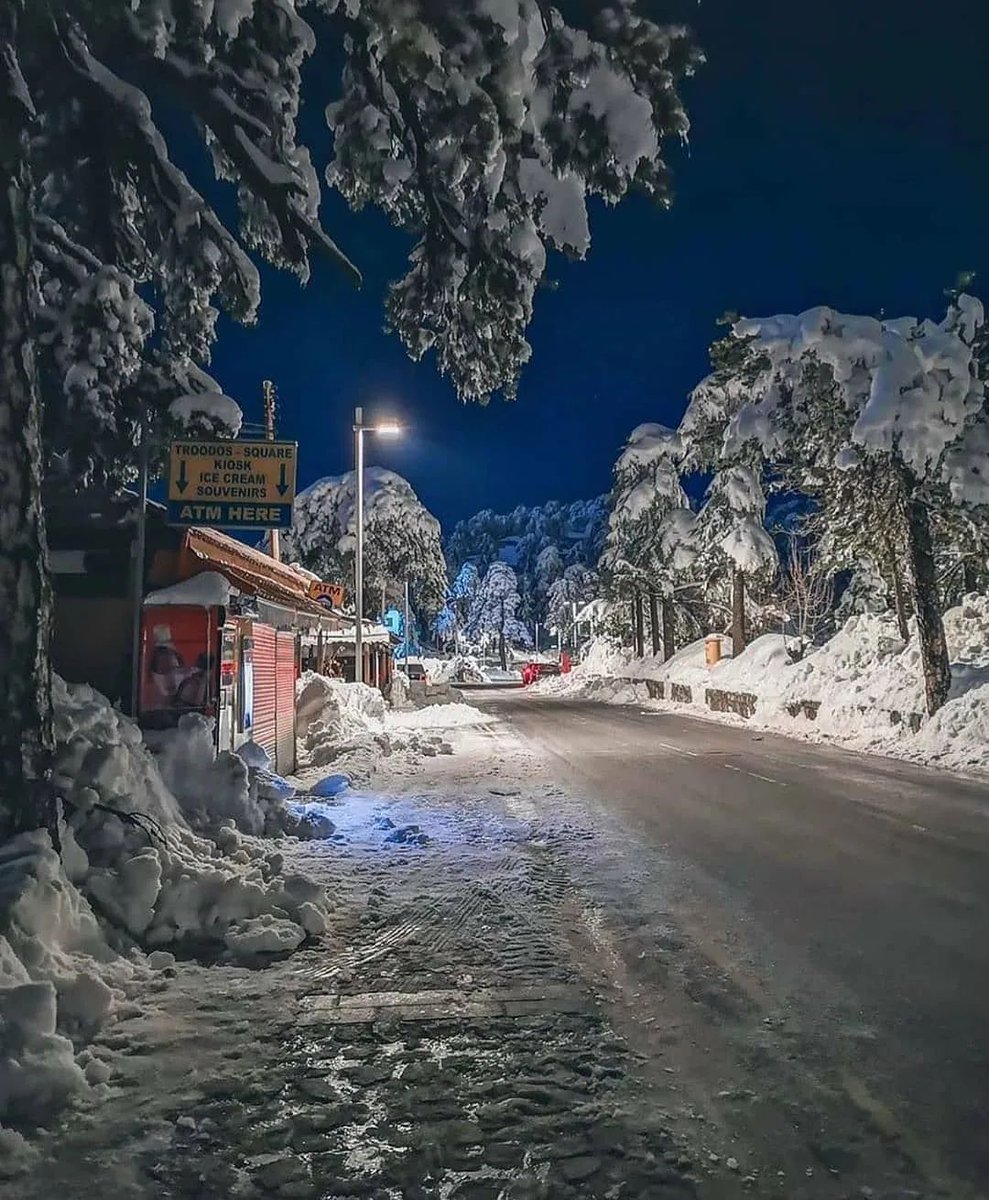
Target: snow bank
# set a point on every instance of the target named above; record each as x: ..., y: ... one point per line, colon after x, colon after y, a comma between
x: 864, y: 686
x: 210, y: 788
x: 603, y: 661
x: 58, y: 979
x: 132, y: 876
x: 158, y: 880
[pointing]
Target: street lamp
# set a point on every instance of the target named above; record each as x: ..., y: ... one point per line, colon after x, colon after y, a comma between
x: 386, y: 429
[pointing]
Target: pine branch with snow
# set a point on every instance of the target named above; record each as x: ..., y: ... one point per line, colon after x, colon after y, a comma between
x: 482, y: 129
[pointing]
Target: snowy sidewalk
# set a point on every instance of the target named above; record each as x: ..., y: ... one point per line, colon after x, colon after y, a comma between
x: 442, y: 1043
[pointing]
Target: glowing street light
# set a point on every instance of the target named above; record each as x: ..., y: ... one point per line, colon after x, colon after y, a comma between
x: 385, y: 429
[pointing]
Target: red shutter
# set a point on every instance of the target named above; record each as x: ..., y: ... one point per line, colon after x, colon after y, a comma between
x: 265, y: 674
x: 285, y: 720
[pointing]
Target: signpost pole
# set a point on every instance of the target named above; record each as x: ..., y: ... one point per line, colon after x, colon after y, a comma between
x: 269, y: 424
x: 408, y: 631
x: 137, y: 575
x: 359, y: 556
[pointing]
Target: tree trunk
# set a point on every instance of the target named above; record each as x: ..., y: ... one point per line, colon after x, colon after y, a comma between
x: 930, y: 627
x: 970, y: 576
x: 640, y: 633
x: 654, y: 621
x: 669, y: 630
x: 739, y: 627
x: 899, y: 593
x: 27, y: 797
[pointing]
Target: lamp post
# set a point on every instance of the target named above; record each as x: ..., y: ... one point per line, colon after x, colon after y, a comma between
x: 386, y: 428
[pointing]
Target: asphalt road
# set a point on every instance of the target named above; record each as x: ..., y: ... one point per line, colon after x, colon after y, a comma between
x: 839, y: 907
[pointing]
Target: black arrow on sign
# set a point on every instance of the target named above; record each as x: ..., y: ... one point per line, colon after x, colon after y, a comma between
x: 182, y: 482
x: 281, y: 487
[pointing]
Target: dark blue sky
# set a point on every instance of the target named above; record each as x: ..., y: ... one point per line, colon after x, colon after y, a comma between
x: 838, y: 156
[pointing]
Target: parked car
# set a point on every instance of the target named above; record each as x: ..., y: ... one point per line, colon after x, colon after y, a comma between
x: 416, y: 672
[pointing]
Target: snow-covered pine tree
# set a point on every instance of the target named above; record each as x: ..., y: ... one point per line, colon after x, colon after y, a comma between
x: 465, y: 587
x: 577, y: 586
x: 494, y: 612
x: 104, y: 243
x: 733, y: 548
x: 401, y: 537
x: 445, y: 625
x: 903, y: 402
x: 649, y: 546
x: 548, y: 570
x: 483, y: 128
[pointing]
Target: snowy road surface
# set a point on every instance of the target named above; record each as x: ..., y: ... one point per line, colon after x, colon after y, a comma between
x: 829, y: 920
x: 590, y: 954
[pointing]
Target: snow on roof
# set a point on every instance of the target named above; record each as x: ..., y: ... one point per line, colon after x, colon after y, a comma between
x: 206, y: 590
x: 251, y: 571
x: 376, y: 634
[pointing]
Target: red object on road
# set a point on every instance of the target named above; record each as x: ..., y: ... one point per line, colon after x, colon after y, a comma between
x: 564, y: 663
x: 530, y: 673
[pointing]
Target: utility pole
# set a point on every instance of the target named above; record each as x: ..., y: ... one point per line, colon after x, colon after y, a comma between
x: 268, y: 390
x: 408, y: 630
x: 137, y: 576
x: 359, y: 555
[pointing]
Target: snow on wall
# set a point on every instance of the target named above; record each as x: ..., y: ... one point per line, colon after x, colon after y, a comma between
x: 858, y: 679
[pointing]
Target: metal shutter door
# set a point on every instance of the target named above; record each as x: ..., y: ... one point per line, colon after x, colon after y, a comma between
x: 285, y: 757
x: 265, y: 696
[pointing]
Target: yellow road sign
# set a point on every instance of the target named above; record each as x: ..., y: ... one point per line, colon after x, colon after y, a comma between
x: 249, y: 485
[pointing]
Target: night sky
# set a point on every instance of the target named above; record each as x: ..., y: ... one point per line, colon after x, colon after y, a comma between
x: 838, y: 156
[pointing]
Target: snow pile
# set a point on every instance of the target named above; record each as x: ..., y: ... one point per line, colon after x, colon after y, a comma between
x: 210, y: 788
x: 58, y: 979
x: 604, y: 663
x: 603, y: 657
x: 437, y: 716
x: 440, y: 670
x: 398, y: 691
x: 151, y: 875
x: 332, y: 717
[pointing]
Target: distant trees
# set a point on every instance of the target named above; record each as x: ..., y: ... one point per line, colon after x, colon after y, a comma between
x: 538, y: 543
x: 493, y: 612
